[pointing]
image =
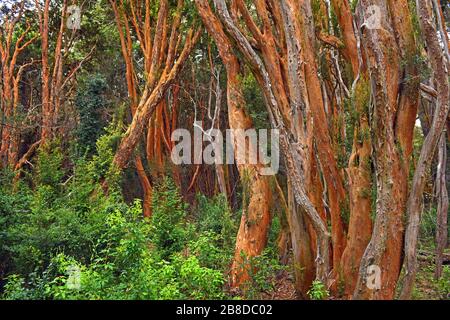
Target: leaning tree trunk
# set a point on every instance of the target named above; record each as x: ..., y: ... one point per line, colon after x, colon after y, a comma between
x: 437, y: 61
x: 255, y: 221
x: 148, y: 103
x: 331, y: 174
x: 442, y: 209
x: 292, y: 144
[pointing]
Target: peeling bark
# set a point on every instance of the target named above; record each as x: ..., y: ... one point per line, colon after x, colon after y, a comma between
x: 252, y: 235
x: 442, y: 209
x: 10, y: 50
x: 291, y: 145
x: 384, y: 55
x: 437, y: 60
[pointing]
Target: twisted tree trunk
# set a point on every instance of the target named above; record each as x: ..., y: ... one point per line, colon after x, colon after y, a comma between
x: 392, y: 125
x: 442, y: 209
x: 437, y: 60
x: 252, y: 235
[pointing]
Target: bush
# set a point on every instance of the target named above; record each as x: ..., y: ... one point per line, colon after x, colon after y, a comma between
x: 62, y: 214
x: 263, y: 270
x: 169, y: 230
x: 122, y: 267
x: 55, y: 228
x: 214, y: 245
x: 443, y: 284
x: 90, y: 102
x: 215, y: 215
x: 318, y: 291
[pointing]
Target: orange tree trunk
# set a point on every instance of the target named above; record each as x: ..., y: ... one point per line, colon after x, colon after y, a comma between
x: 393, y: 119
x: 11, y: 47
x: 415, y: 202
x: 160, y: 58
x: 359, y: 173
x: 252, y: 235
x: 149, y: 101
x: 287, y: 117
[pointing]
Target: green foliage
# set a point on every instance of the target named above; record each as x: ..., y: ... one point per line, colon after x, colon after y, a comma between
x: 169, y: 228
x: 263, y: 270
x: 255, y: 101
x: 49, y: 170
x: 428, y: 225
x: 216, y: 229
x: 208, y: 251
x: 198, y: 282
x: 216, y: 216
x: 443, y: 284
x: 101, y: 167
x: 118, y: 253
x: 122, y: 267
x: 427, y: 287
x: 318, y: 291
x: 90, y: 102
x: 60, y: 214
x: 64, y: 219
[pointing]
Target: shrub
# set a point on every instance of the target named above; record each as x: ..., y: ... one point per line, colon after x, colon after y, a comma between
x: 90, y: 102
x: 263, y: 270
x: 122, y: 267
x: 169, y: 230
x: 318, y: 291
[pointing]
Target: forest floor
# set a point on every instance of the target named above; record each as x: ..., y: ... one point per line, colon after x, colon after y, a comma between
x: 427, y: 288
x: 284, y: 288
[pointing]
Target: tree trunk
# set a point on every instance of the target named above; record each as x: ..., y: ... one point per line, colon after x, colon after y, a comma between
x: 292, y: 145
x: 359, y: 171
x: 384, y: 49
x: 47, y: 114
x: 148, y: 103
x: 442, y: 209
x: 437, y: 60
x: 11, y: 45
x: 252, y: 235
x: 359, y: 174
x: 303, y: 258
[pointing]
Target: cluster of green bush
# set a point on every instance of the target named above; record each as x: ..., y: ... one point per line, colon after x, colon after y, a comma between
x: 70, y: 215
x: 56, y: 219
